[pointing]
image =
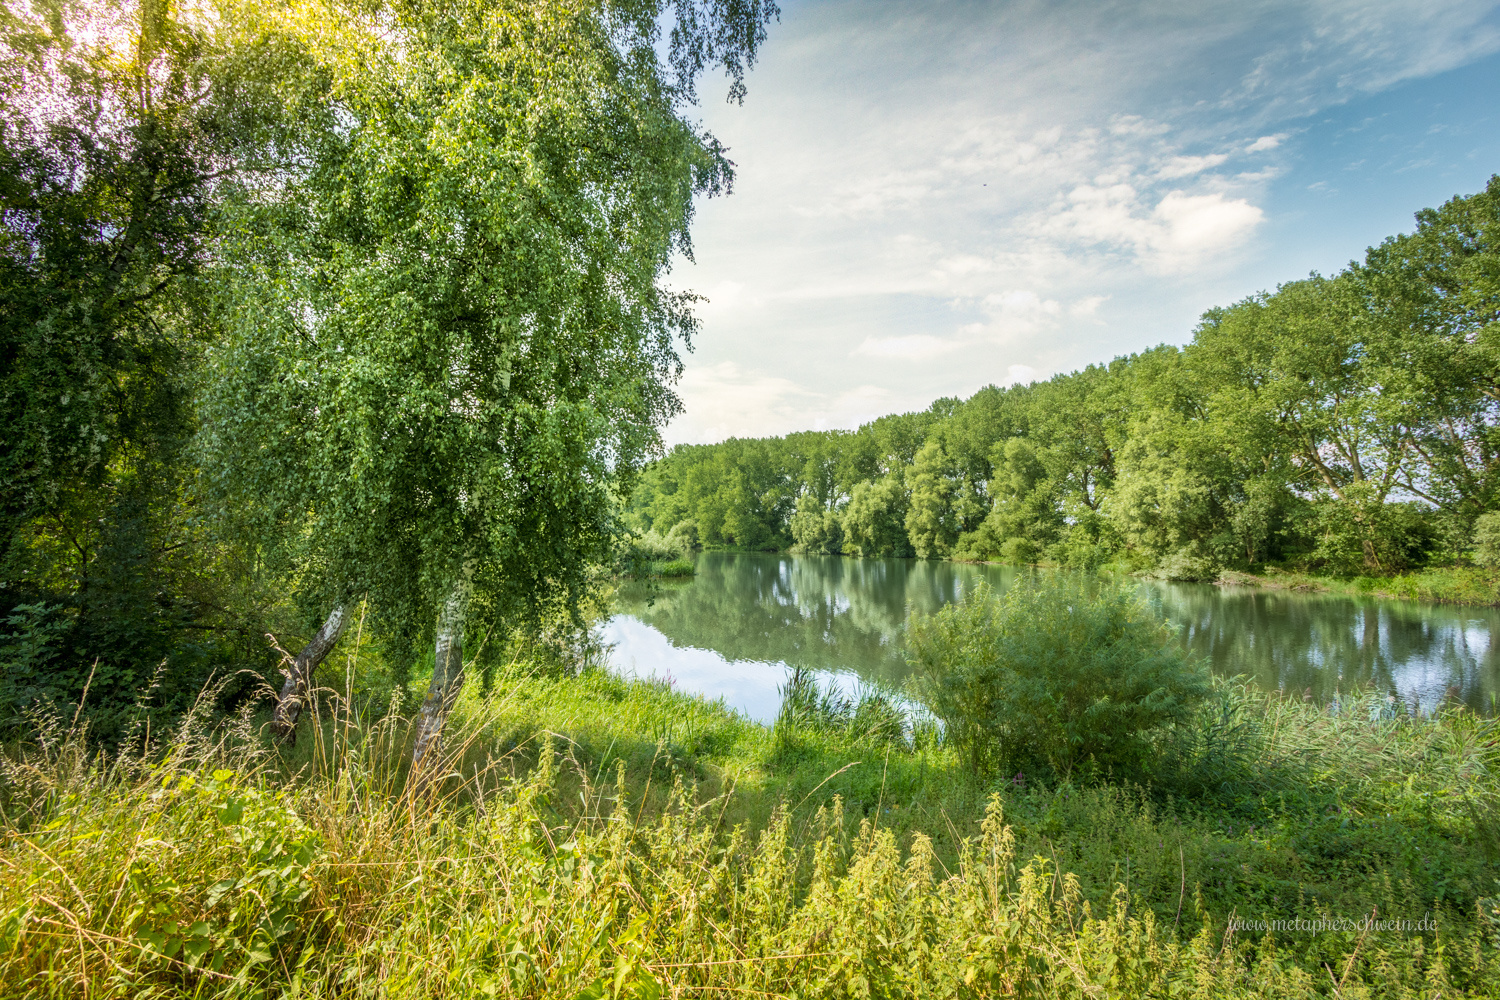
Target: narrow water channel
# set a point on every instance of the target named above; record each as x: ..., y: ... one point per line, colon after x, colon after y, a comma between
x: 737, y: 628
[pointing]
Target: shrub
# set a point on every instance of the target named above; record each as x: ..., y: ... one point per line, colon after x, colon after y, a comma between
x: 1357, y: 534
x: 654, y: 554
x: 1487, y: 539
x: 1020, y: 552
x: 1186, y: 566
x: 684, y: 536
x: 675, y: 568
x: 657, y: 548
x: 1051, y: 675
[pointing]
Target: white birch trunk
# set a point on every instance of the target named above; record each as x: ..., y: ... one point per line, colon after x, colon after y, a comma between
x: 300, y: 674
x: 447, y: 672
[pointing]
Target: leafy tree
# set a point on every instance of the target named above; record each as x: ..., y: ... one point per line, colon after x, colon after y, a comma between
x: 816, y: 529
x: 948, y: 491
x: 447, y: 362
x: 125, y: 127
x: 1026, y: 516
x: 1487, y: 540
x: 875, y: 519
x: 1306, y: 366
x: 1438, y: 290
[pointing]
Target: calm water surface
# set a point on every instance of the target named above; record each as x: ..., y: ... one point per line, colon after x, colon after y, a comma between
x: 746, y: 620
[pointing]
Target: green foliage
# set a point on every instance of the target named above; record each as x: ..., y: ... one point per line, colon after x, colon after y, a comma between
x: 124, y: 127
x: 246, y: 918
x: 446, y: 344
x: 656, y: 555
x: 1355, y: 535
x: 660, y: 548
x: 482, y: 368
x: 1342, y: 426
x: 593, y: 871
x: 1053, y: 676
x: 875, y: 519
x: 106, y: 201
x: 815, y: 530
x: 674, y: 568
x: 30, y: 645
x: 1487, y: 540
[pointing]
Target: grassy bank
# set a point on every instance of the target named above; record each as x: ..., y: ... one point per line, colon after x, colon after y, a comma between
x: 1443, y: 585
x: 602, y: 837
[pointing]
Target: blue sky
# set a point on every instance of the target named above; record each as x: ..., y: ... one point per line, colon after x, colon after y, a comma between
x: 935, y: 197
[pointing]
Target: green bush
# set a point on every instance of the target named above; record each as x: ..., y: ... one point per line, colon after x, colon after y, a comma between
x: 658, y: 548
x: 675, y: 568
x: 1020, y: 552
x: 1358, y: 533
x: 654, y: 554
x: 1051, y: 675
x: 684, y: 536
x: 1487, y: 540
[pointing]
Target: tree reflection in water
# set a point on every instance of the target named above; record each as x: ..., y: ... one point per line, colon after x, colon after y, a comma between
x: 844, y: 616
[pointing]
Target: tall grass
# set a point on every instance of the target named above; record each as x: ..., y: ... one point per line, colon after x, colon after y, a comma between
x: 595, y: 837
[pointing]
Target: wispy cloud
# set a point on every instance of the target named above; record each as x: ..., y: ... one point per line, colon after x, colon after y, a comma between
x: 727, y: 400
x: 935, y: 195
x: 913, y: 348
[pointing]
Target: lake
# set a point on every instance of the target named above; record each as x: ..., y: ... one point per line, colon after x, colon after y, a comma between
x: 738, y: 628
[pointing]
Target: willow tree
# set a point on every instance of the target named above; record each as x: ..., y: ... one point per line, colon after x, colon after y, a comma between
x: 450, y: 346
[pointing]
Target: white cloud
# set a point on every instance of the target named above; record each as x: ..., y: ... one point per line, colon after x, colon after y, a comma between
x: 1187, y: 166
x: 916, y: 347
x: 1020, y: 374
x: 1087, y: 306
x: 1136, y: 125
x: 1181, y: 232
x: 1020, y: 311
x: 874, y: 196
x: 1195, y: 226
x: 928, y: 194
x: 725, y: 400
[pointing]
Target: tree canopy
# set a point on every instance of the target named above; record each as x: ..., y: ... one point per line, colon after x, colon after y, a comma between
x: 386, y: 277
x: 1344, y: 425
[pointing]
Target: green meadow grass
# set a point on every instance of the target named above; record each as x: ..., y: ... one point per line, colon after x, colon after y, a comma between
x: 593, y: 836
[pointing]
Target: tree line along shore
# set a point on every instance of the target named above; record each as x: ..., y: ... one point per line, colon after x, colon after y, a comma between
x: 1336, y: 429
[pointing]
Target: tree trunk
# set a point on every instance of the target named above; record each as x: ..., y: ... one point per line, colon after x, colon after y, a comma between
x: 299, y: 676
x: 447, y: 672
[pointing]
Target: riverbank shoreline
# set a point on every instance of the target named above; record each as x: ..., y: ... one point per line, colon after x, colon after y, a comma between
x: 1469, y: 586
x: 1458, y: 585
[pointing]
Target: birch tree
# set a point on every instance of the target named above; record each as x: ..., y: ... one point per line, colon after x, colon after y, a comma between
x: 449, y: 344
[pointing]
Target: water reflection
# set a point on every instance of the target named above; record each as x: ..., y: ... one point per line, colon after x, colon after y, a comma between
x: 1320, y: 642
x: 758, y: 615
